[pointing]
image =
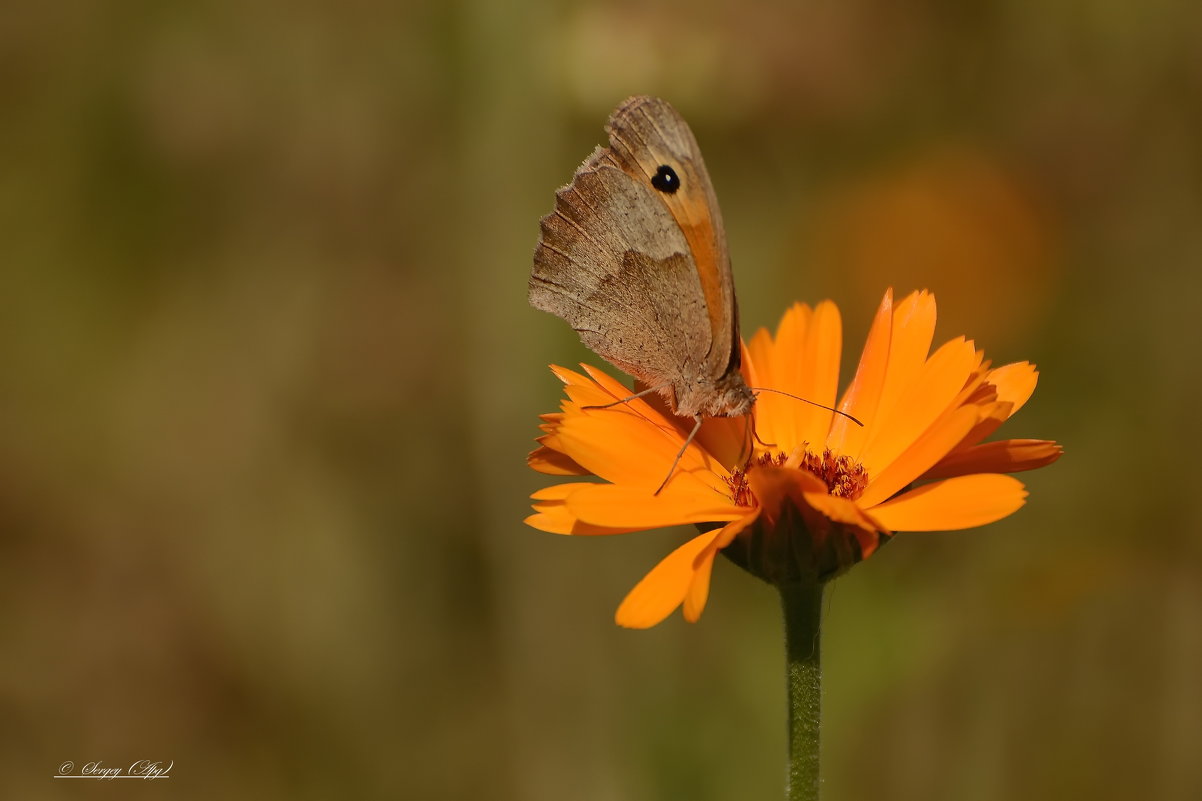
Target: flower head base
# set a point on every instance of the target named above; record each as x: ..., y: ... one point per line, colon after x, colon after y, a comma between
x: 789, y: 542
x: 817, y: 493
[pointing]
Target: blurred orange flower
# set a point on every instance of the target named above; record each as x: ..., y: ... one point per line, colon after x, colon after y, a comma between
x: 809, y: 493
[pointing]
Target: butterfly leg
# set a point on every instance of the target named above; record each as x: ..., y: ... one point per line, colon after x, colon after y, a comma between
x: 627, y: 399
x: 680, y: 454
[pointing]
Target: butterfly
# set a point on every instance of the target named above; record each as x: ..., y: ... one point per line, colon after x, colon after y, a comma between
x: 634, y: 258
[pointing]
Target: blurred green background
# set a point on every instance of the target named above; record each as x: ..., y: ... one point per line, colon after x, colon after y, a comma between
x: 269, y: 377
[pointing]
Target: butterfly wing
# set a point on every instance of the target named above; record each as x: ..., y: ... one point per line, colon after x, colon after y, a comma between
x: 642, y: 273
x: 646, y: 133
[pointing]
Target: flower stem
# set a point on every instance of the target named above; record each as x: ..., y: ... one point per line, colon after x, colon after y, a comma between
x: 802, y: 603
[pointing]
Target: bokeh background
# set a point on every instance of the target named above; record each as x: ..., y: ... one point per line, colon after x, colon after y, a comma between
x: 269, y: 377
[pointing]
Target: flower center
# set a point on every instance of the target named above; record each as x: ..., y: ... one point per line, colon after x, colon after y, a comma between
x: 844, y: 476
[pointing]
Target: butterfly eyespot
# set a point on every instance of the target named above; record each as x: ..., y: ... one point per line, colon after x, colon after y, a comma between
x: 666, y: 180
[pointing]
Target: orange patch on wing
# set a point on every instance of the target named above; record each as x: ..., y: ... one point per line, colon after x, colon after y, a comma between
x: 709, y: 270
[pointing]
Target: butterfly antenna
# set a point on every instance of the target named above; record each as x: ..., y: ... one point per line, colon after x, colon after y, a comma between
x: 812, y: 403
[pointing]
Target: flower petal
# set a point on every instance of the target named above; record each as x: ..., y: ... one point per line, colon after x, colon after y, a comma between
x: 586, y: 397
x: 788, y: 375
x: 551, y: 515
x: 992, y: 415
x: 841, y: 510
x: 651, y: 405
x: 699, y: 586
x: 930, y: 395
x: 599, y: 389
x: 913, y: 330
x: 694, y: 601
x: 620, y: 445
x: 554, y: 518
x: 553, y: 462
x: 1004, y: 456
x: 757, y: 358
x: 1015, y: 383
x: 1013, y: 387
x: 727, y: 439
x: 623, y: 506
x: 819, y: 382
x: 926, y: 451
x: 568, y: 376
x: 665, y: 587
x: 863, y: 395
x: 952, y: 504
x: 777, y: 366
x: 866, y: 530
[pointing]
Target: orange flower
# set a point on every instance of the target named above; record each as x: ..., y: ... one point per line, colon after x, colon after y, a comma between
x: 808, y: 493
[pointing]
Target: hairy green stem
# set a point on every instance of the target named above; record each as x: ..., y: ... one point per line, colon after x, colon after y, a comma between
x: 802, y: 603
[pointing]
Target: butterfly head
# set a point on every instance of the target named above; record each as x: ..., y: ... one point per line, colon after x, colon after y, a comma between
x: 727, y: 396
